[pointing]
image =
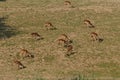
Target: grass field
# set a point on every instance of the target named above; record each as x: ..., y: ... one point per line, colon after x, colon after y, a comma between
x: 92, y: 60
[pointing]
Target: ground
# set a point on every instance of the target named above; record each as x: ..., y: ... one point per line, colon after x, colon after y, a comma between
x: 19, y: 18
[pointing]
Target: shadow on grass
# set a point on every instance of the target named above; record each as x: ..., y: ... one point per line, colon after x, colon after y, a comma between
x: 2, y: 0
x: 6, y: 31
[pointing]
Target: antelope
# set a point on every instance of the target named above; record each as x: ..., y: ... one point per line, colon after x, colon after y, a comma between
x: 25, y: 53
x: 63, y: 39
x: 36, y: 36
x: 95, y: 37
x: 69, y: 50
x: 19, y: 64
x: 49, y: 26
x: 68, y: 4
x: 88, y: 23
x: 62, y: 42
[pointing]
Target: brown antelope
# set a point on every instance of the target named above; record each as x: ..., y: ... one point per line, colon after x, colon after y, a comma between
x: 36, y: 36
x: 62, y: 42
x: 49, y: 26
x: 88, y: 23
x: 19, y: 64
x: 25, y: 53
x: 68, y: 4
x: 63, y: 39
x: 69, y: 50
x: 95, y: 37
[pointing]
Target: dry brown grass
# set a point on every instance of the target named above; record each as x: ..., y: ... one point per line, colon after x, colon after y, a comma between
x: 91, y: 59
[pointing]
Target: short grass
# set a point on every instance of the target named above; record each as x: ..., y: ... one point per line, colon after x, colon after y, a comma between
x: 92, y: 60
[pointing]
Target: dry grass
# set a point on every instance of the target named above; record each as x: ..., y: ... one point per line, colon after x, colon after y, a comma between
x: 92, y: 59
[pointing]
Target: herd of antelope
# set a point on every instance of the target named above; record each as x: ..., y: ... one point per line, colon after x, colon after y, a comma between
x: 62, y: 40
